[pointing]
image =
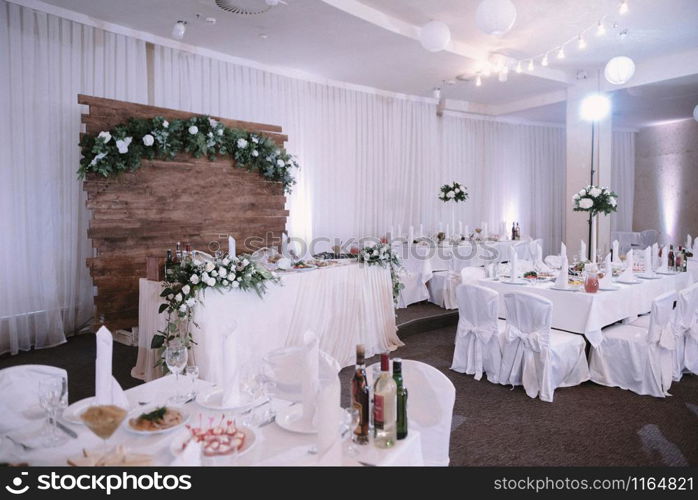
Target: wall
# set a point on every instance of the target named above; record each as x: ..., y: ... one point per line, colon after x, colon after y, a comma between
x: 666, y: 184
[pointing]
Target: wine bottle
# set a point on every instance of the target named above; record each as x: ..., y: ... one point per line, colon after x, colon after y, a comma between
x: 169, y: 264
x: 360, y: 397
x: 384, y: 406
x: 677, y: 260
x: 187, y: 252
x: 401, y: 399
x: 178, y: 253
x: 513, y: 231
x: 671, y: 257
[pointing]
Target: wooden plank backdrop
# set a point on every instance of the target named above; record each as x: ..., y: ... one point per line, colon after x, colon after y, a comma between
x: 144, y: 213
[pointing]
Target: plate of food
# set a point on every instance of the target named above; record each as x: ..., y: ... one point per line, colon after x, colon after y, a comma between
x: 156, y: 419
x: 73, y: 412
x: 218, y: 440
x: 303, y: 266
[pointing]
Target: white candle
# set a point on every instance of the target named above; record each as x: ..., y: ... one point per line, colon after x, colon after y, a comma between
x: 421, y: 229
x: 441, y: 227
x: 284, y: 243
x: 460, y: 227
x: 410, y: 235
x: 231, y: 246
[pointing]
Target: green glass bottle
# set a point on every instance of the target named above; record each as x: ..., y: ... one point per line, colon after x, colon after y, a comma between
x: 401, y: 399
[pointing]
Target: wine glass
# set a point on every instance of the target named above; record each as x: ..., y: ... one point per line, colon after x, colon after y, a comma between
x: 176, y: 360
x: 350, y: 420
x: 103, y: 421
x: 53, y: 396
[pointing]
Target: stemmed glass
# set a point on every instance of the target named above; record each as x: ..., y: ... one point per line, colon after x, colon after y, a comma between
x: 103, y: 421
x: 176, y: 360
x: 350, y: 420
x: 53, y: 396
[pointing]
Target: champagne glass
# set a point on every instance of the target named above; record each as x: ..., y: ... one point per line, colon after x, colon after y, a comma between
x: 53, y: 394
x: 103, y: 421
x: 176, y: 360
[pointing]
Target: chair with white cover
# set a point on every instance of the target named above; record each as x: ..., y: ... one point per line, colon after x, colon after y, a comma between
x: 429, y: 409
x: 415, y: 273
x: 19, y: 386
x: 442, y: 287
x: 534, y: 355
x: 649, y: 237
x: 686, y: 332
x: 553, y: 261
x: 638, y: 359
x: 478, y: 347
x: 523, y: 250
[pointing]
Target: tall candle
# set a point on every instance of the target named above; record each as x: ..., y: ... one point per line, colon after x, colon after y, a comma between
x: 231, y: 246
x: 410, y: 235
x: 441, y: 227
x: 460, y: 227
x: 421, y: 229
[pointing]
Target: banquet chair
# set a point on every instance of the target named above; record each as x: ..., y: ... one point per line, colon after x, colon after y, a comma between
x: 649, y: 237
x: 553, y: 261
x: 19, y: 386
x: 638, y: 359
x: 443, y: 285
x: 478, y: 347
x: 536, y: 356
x: 430, y: 407
x: 415, y: 274
x: 523, y: 250
x: 686, y: 332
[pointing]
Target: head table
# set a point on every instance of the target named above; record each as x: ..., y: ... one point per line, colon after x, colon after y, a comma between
x: 273, y: 445
x: 344, y: 305
x: 587, y: 313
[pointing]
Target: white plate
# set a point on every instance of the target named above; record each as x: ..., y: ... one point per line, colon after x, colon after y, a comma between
x: 568, y: 289
x: 515, y: 282
x: 73, y: 412
x: 649, y: 277
x: 147, y: 409
x: 611, y: 288
x: 179, y: 439
x: 289, y: 418
x: 636, y: 282
x: 213, y: 400
x: 667, y: 273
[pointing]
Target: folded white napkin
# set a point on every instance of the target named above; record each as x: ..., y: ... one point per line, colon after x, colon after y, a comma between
x: 107, y: 389
x: 582, y: 250
x: 563, y: 250
x: 689, y: 242
x: 189, y: 457
x: 628, y: 276
x: 310, y: 375
x: 231, y: 246
x: 562, y: 280
x: 647, y: 257
x: 664, y: 260
x: 514, y: 265
x: 607, y: 280
x: 616, y: 252
x: 232, y: 395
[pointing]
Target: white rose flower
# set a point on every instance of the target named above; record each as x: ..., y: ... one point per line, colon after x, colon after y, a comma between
x: 197, y: 262
x: 210, y: 266
x: 165, y: 123
x: 193, y: 130
x: 594, y: 192
x: 236, y: 284
x: 222, y: 272
x: 450, y: 194
x: 105, y: 136
x: 186, y: 289
x: 148, y: 140
x: 280, y: 163
x: 191, y: 302
x: 612, y: 202
x: 178, y: 297
x: 225, y: 261
x: 194, y: 279
x: 457, y: 190
x: 122, y: 145
x: 582, y: 192
x: 213, y: 123
x: 575, y: 197
x: 183, y: 308
x: 211, y: 282
x: 242, y: 143
x: 97, y: 158
x: 255, y: 139
x: 210, y: 135
x: 255, y: 153
x: 170, y: 297
x: 226, y: 282
x: 214, y: 273
x: 239, y: 278
x: 245, y: 262
x: 586, y: 203
x: 205, y: 277
x: 220, y: 131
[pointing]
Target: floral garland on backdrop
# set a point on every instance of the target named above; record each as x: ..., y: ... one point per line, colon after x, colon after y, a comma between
x: 595, y: 200
x: 382, y: 254
x: 192, y: 276
x: 122, y: 148
x: 453, y: 192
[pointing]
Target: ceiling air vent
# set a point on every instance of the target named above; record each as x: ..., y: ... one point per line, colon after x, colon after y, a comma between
x: 244, y: 7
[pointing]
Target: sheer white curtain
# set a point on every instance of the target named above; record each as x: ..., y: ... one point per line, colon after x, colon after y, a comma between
x: 371, y: 161
x: 46, y: 291
x: 623, y: 179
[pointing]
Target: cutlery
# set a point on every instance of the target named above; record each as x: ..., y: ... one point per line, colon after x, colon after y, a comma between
x: 22, y: 445
x: 272, y: 419
x: 70, y: 432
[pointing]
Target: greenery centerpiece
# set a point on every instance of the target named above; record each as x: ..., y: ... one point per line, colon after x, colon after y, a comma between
x: 595, y: 200
x: 382, y: 254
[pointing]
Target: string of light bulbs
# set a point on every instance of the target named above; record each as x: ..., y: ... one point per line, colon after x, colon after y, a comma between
x: 558, y: 52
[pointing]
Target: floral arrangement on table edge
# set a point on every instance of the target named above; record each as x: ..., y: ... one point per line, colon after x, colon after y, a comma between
x: 595, y: 200
x: 382, y: 254
x: 453, y: 192
x: 122, y: 148
x: 181, y: 292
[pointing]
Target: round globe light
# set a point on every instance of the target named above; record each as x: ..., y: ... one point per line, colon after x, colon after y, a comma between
x: 595, y: 107
x: 495, y: 17
x: 619, y: 70
x: 435, y: 36
x: 695, y: 113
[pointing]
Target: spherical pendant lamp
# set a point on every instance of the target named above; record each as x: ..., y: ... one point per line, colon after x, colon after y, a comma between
x: 435, y: 36
x: 495, y: 17
x: 619, y: 70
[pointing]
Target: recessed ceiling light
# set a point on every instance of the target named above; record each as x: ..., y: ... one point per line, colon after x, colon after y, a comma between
x: 211, y: 20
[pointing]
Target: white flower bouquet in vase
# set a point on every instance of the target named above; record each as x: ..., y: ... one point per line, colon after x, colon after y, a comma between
x: 595, y: 200
x: 455, y: 193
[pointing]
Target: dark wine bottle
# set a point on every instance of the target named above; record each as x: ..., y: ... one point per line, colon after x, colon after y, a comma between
x: 401, y: 399
x: 513, y: 231
x: 671, y: 258
x: 360, y: 397
x: 178, y: 253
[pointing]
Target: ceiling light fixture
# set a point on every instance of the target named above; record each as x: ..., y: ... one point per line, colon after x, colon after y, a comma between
x: 623, y: 9
x: 495, y: 17
x: 478, y: 80
x: 435, y: 36
x: 561, y: 53
x: 595, y: 107
x: 600, y: 29
x: 544, y: 61
x: 619, y: 70
x: 437, y: 93
x: 581, y: 43
x: 179, y: 29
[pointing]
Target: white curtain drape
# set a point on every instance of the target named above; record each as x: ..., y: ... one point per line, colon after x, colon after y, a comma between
x: 45, y: 61
x: 370, y: 162
x: 623, y: 179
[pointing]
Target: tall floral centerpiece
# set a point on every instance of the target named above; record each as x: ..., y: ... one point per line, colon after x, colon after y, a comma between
x: 453, y: 193
x: 595, y: 200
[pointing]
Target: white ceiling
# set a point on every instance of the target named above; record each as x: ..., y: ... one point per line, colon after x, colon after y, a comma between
x: 315, y: 37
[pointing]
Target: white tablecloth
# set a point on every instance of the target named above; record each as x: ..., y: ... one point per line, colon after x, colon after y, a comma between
x: 344, y: 305
x: 275, y: 446
x: 588, y: 313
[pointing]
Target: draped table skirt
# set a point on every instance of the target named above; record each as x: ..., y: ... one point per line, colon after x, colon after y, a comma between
x: 344, y: 305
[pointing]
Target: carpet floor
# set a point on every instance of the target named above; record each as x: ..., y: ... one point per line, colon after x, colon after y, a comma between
x: 587, y: 425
